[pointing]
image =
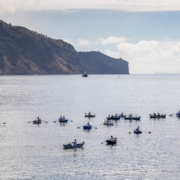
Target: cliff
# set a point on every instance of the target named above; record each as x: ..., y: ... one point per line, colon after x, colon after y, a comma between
x: 23, y: 51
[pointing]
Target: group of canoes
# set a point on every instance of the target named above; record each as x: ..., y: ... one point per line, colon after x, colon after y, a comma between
x: 118, y: 117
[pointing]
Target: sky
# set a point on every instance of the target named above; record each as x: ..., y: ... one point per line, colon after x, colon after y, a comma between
x: 145, y: 33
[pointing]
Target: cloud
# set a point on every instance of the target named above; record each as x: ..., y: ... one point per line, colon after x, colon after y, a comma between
x: 144, y: 57
x: 111, y: 40
x: 124, y: 5
x: 80, y: 42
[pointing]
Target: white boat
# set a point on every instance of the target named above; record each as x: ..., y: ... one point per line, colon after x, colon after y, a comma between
x: 72, y: 146
x: 108, y: 123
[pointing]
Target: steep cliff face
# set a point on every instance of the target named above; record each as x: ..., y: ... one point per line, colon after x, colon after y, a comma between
x: 27, y: 52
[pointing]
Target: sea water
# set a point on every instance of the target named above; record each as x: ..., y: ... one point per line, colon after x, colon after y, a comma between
x: 29, y: 151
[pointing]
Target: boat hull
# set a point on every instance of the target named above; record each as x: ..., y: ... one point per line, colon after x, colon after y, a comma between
x: 137, y: 132
x: 113, y: 118
x: 161, y: 116
x: 89, y: 116
x: 63, y: 120
x: 108, y: 123
x: 71, y: 146
x: 136, y: 118
x: 36, y: 122
x: 111, y: 141
x: 87, y: 127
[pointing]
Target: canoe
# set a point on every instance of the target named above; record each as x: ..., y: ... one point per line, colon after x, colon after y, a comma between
x: 132, y: 117
x: 87, y: 127
x: 71, y: 146
x: 111, y: 141
x: 36, y: 122
x: 63, y: 120
x: 156, y: 116
x: 136, y: 118
x: 113, y: 118
x: 85, y: 74
x: 108, y: 123
x: 137, y: 132
x: 128, y: 118
x: 89, y: 115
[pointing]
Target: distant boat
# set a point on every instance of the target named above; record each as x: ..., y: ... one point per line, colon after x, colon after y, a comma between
x: 85, y: 74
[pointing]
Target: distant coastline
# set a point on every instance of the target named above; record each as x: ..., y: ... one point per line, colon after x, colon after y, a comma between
x: 25, y: 52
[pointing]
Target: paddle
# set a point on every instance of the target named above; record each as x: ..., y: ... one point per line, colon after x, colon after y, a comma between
x: 30, y: 121
x: 79, y: 127
x: 103, y: 142
x: 44, y: 121
x: 94, y: 127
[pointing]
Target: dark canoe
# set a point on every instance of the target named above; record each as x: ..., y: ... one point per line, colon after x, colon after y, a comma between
x: 111, y: 141
x: 36, y: 122
x: 113, y: 118
x: 136, y: 118
x: 137, y: 132
x: 63, y: 120
x: 85, y: 74
x: 127, y: 118
x: 86, y: 127
x: 71, y: 146
x: 156, y: 116
x: 89, y: 115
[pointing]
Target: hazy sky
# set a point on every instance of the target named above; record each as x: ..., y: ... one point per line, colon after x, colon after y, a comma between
x: 143, y: 32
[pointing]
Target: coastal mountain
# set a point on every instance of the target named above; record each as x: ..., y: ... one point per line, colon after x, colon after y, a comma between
x: 23, y: 51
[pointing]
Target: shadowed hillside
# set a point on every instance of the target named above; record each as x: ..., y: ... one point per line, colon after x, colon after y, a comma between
x: 23, y: 51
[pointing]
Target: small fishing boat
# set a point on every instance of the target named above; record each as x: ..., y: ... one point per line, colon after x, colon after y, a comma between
x: 87, y: 127
x: 157, y: 116
x: 61, y: 120
x: 89, y: 115
x: 128, y: 117
x: 137, y: 131
x: 111, y: 141
x: 85, y: 74
x: 37, y: 122
x: 72, y: 146
x: 108, y: 123
x: 136, y: 118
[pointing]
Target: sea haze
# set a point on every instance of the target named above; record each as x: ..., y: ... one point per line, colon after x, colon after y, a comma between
x: 31, y: 151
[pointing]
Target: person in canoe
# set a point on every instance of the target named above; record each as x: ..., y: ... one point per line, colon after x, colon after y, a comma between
x: 74, y: 143
x: 112, y: 138
x: 38, y: 120
x: 154, y: 114
x: 137, y: 129
x: 88, y: 124
x: 89, y: 113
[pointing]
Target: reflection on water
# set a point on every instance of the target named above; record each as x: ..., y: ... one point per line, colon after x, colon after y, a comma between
x: 30, y: 151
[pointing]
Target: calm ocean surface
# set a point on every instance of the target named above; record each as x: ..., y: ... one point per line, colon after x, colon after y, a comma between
x: 29, y: 151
